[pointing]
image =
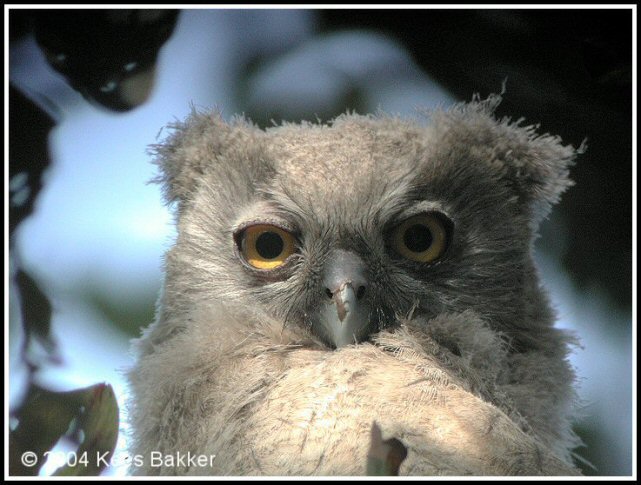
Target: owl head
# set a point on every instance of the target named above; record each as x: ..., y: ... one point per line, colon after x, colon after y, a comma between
x: 341, y: 229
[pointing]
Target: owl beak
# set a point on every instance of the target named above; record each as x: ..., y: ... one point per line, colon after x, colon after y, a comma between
x: 344, y: 317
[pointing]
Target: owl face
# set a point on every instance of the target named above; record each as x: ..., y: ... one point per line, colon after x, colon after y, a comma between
x: 345, y: 229
x: 342, y: 282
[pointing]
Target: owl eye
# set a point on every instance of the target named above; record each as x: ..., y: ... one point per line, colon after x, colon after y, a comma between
x: 265, y: 246
x: 421, y: 238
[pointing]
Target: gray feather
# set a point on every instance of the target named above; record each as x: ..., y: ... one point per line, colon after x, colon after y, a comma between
x: 467, y: 369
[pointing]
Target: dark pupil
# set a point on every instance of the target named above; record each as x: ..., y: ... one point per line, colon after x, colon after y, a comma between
x: 417, y: 238
x: 269, y: 245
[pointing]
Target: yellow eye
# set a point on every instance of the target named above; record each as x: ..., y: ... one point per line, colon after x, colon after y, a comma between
x: 266, y: 247
x: 421, y: 238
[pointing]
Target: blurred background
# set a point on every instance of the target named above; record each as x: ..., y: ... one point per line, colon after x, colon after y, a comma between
x: 90, y: 90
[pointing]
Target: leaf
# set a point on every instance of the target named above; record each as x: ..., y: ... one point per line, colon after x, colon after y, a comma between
x: 100, y: 425
x: 47, y: 416
x: 43, y: 418
x: 28, y: 154
x: 36, y: 311
x: 385, y: 456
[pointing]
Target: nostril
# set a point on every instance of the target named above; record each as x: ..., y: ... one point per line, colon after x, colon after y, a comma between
x: 329, y: 293
x: 360, y: 292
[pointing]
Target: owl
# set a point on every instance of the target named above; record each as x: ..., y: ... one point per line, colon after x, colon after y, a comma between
x: 370, y: 269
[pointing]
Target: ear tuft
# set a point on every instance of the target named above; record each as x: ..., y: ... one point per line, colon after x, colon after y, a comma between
x: 535, y: 167
x: 191, y: 149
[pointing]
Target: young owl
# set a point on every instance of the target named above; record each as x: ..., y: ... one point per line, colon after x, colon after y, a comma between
x: 326, y: 276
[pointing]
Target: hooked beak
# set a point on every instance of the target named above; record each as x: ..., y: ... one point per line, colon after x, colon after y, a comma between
x: 344, y: 317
